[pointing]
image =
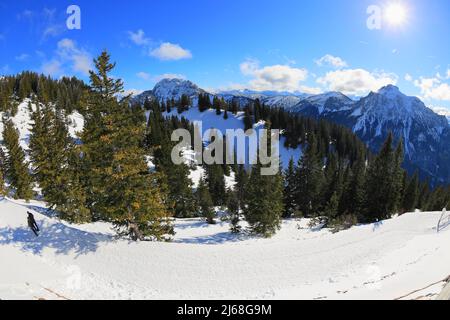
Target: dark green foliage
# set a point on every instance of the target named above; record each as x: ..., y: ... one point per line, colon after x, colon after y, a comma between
x: 119, y: 186
x: 383, y: 182
x: 183, y: 104
x: 290, y: 191
x: 205, y: 202
x: 17, y: 171
x: 3, y: 190
x: 233, y: 205
x: 56, y: 162
x: 180, y: 195
x: 310, y: 178
x: 204, y: 102
x: 263, y: 207
x: 411, y: 195
x: 68, y: 93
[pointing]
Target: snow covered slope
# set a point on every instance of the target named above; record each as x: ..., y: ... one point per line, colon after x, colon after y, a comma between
x: 22, y: 121
x: 378, y: 261
x: 210, y: 120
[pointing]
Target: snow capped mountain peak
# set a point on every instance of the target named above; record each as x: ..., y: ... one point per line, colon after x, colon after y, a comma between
x: 323, y: 98
x: 170, y: 88
x: 175, y: 88
x: 390, y: 90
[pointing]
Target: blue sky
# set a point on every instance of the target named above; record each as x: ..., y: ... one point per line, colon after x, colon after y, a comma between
x: 309, y: 46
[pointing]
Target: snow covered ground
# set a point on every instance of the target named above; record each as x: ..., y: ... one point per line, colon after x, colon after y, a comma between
x: 378, y: 261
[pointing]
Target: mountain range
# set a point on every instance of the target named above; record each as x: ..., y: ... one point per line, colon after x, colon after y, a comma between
x: 426, y: 135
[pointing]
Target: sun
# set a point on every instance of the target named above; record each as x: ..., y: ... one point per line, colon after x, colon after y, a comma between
x: 395, y: 14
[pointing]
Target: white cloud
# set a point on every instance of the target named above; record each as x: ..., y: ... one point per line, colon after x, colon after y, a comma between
x: 170, y: 76
x: 52, y: 68
x: 44, y: 22
x: 80, y: 59
x: 443, y: 111
x: 275, y: 78
x: 394, y: 51
x: 68, y: 54
x: 169, y: 51
x: 408, y: 77
x: 441, y: 92
x: 138, y: 37
x: 22, y: 57
x: 433, y: 88
x: 53, y: 30
x: 448, y: 74
x: 148, y: 77
x: 331, y: 61
x: 356, y: 81
x: 143, y: 75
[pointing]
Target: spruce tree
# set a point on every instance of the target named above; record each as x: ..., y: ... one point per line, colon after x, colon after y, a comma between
x: 264, y: 203
x: 241, y: 177
x: 3, y: 190
x: 56, y: 164
x: 179, y: 185
x: 234, y: 212
x: 263, y: 207
x: 384, y: 181
x: 205, y: 202
x: 353, y: 200
x: 120, y: 187
x: 17, y: 171
x: 411, y: 196
x: 310, y: 179
x: 290, y: 187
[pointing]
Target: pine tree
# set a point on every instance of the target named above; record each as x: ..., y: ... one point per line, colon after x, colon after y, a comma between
x: 264, y: 203
x: 120, y: 187
x: 333, y: 186
x: 310, y: 179
x: 411, y: 196
x: 17, y: 171
x: 398, y: 186
x: 215, y: 180
x: 217, y: 105
x: 424, y: 194
x: 179, y: 185
x: 264, y: 207
x: 383, y: 182
x: 290, y: 187
x: 3, y: 190
x: 353, y: 200
x: 205, y: 202
x: 56, y: 165
x: 241, y: 182
x: 234, y: 106
x: 234, y: 212
x: 248, y: 122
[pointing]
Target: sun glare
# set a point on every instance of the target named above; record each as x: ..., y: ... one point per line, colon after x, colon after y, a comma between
x: 395, y: 14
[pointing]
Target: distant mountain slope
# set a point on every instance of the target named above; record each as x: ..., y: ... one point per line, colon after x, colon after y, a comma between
x: 170, y: 88
x: 426, y: 135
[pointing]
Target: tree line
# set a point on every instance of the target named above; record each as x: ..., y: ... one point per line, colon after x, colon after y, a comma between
x: 104, y: 174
